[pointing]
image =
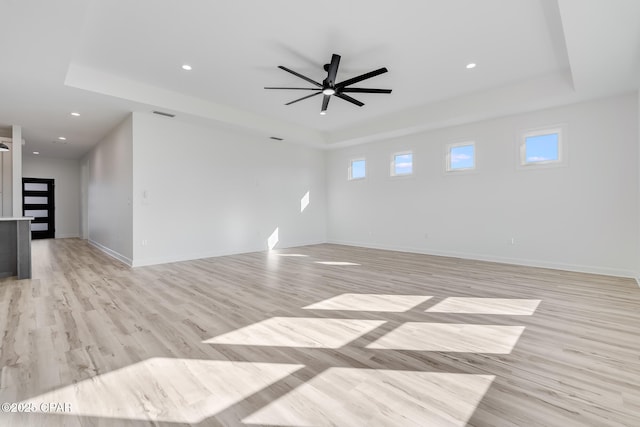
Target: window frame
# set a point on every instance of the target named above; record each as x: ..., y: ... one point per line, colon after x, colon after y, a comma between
x: 392, y: 169
x: 350, y: 169
x: 560, y: 130
x: 447, y: 157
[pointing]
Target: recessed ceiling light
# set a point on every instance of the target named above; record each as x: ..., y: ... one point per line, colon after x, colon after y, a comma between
x: 470, y: 66
x: 75, y: 114
x: 187, y: 67
x: 62, y: 138
x: 36, y: 152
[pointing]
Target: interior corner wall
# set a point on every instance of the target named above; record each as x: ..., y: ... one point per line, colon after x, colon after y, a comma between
x: 583, y: 216
x: 66, y: 173
x: 202, y: 192
x: 109, y: 175
x: 638, y: 218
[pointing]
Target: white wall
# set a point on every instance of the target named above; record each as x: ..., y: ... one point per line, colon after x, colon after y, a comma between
x: 11, y: 175
x: 66, y: 173
x: 109, y: 169
x: 211, y: 192
x: 584, y: 216
x: 16, y: 153
x: 6, y: 179
x: 84, y: 199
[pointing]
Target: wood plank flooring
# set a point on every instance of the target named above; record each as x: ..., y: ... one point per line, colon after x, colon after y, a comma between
x: 322, y: 335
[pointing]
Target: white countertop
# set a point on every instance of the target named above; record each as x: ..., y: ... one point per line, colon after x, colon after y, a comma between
x: 22, y: 218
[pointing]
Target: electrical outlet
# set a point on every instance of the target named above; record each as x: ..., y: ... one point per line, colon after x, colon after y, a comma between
x: 512, y: 241
x: 145, y: 242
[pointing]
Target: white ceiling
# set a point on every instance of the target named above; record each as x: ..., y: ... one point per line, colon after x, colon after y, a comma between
x: 106, y: 58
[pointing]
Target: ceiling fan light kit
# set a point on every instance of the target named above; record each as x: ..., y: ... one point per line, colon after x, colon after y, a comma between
x: 330, y: 88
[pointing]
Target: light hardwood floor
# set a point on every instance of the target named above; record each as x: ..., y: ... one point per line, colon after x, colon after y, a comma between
x: 317, y: 335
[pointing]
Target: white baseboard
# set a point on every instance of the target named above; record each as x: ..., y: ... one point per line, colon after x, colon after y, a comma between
x: 606, y: 271
x: 112, y: 253
x: 185, y: 257
x: 213, y: 254
x: 67, y: 236
x: 299, y: 244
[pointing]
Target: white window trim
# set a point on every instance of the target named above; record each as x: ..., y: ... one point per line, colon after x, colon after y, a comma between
x: 350, y: 171
x: 392, y: 170
x: 561, y: 130
x: 447, y: 157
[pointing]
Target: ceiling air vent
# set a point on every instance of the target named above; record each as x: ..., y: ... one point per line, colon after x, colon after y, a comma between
x: 162, y: 113
x: 276, y: 138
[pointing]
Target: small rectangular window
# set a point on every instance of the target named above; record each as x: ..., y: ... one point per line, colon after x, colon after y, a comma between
x: 461, y: 156
x: 358, y: 169
x: 541, y: 147
x: 402, y: 164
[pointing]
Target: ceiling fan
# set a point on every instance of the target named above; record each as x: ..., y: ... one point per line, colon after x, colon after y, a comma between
x: 329, y: 86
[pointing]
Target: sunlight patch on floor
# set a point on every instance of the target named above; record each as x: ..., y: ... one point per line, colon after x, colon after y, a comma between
x: 369, y: 302
x: 369, y: 397
x: 291, y: 255
x: 450, y: 337
x: 298, y: 332
x: 335, y: 263
x: 167, y: 390
x: 505, y: 306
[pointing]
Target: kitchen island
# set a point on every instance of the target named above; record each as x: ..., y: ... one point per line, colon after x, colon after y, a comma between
x: 15, y: 247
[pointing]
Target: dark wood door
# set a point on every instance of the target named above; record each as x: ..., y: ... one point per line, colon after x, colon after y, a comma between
x: 38, y: 196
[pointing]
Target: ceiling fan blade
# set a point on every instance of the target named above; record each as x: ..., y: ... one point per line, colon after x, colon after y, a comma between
x: 333, y: 69
x: 295, y: 88
x: 363, y: 90
x: 350, y: 99
x: 303, y: 98
x: 362, y: 77
x: 299, y: 75
x: 325, y: 102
